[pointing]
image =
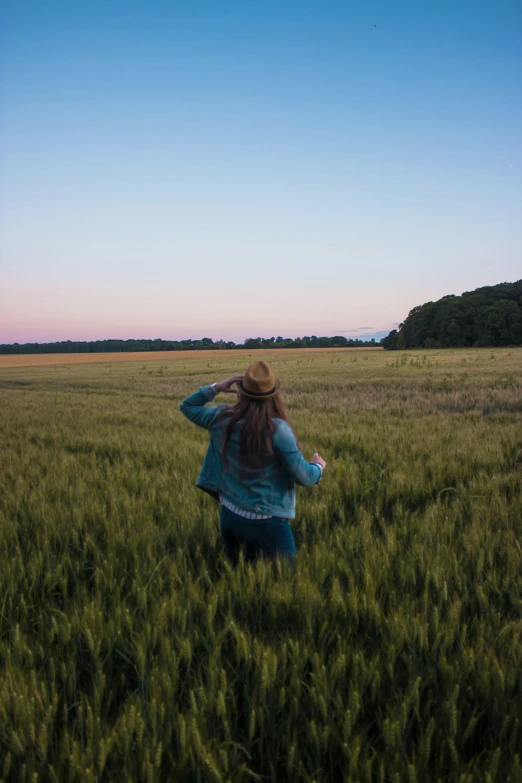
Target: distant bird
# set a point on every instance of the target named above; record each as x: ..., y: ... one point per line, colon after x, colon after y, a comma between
x: 375, y: 25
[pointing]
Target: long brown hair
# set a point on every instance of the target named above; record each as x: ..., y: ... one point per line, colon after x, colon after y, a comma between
x: 258, y: 428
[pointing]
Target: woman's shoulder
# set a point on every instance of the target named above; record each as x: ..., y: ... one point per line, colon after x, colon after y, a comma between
x: 224, y: 414
x: 283, y: 434
x: 221, y: 413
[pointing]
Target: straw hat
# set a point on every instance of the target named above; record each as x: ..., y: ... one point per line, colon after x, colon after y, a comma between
x: 259, y: 382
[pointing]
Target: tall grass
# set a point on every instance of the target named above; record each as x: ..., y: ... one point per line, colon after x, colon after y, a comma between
x: 131, y: 651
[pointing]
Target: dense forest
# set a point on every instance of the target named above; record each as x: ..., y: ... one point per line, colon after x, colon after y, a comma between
x: 112, y: 346
x: 487, y: 317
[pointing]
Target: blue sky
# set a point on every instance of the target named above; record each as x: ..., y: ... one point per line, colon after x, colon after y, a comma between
x: 236, y: 169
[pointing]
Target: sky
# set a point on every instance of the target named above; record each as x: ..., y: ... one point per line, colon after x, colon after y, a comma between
x: 239, y: 169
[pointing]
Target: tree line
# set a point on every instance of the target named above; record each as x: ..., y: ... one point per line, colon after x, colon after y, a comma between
x: 118, y: 346
x: 487, y: 317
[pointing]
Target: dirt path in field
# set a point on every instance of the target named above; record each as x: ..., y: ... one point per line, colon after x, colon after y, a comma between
x: 43, y: 359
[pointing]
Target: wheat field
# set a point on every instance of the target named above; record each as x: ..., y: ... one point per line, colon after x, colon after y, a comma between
x: 131, y: 651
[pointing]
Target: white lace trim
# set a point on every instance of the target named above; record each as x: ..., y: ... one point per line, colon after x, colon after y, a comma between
x: 241, y: 511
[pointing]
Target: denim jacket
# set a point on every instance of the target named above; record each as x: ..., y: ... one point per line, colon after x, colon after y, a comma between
x: 268, y: 491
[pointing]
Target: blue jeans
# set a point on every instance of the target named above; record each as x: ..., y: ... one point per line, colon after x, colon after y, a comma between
x: 265, y: 537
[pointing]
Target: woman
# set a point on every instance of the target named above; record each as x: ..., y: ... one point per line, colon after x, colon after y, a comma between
x: 252, y: 463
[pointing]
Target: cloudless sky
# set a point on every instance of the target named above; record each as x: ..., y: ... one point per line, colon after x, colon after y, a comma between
x: 234, y: 169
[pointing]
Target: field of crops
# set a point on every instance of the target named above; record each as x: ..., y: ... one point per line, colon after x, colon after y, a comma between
x: 131, y: 651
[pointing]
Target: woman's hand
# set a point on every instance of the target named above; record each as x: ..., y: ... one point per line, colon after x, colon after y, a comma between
x: 319, y: 460
x: 226, y: 386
